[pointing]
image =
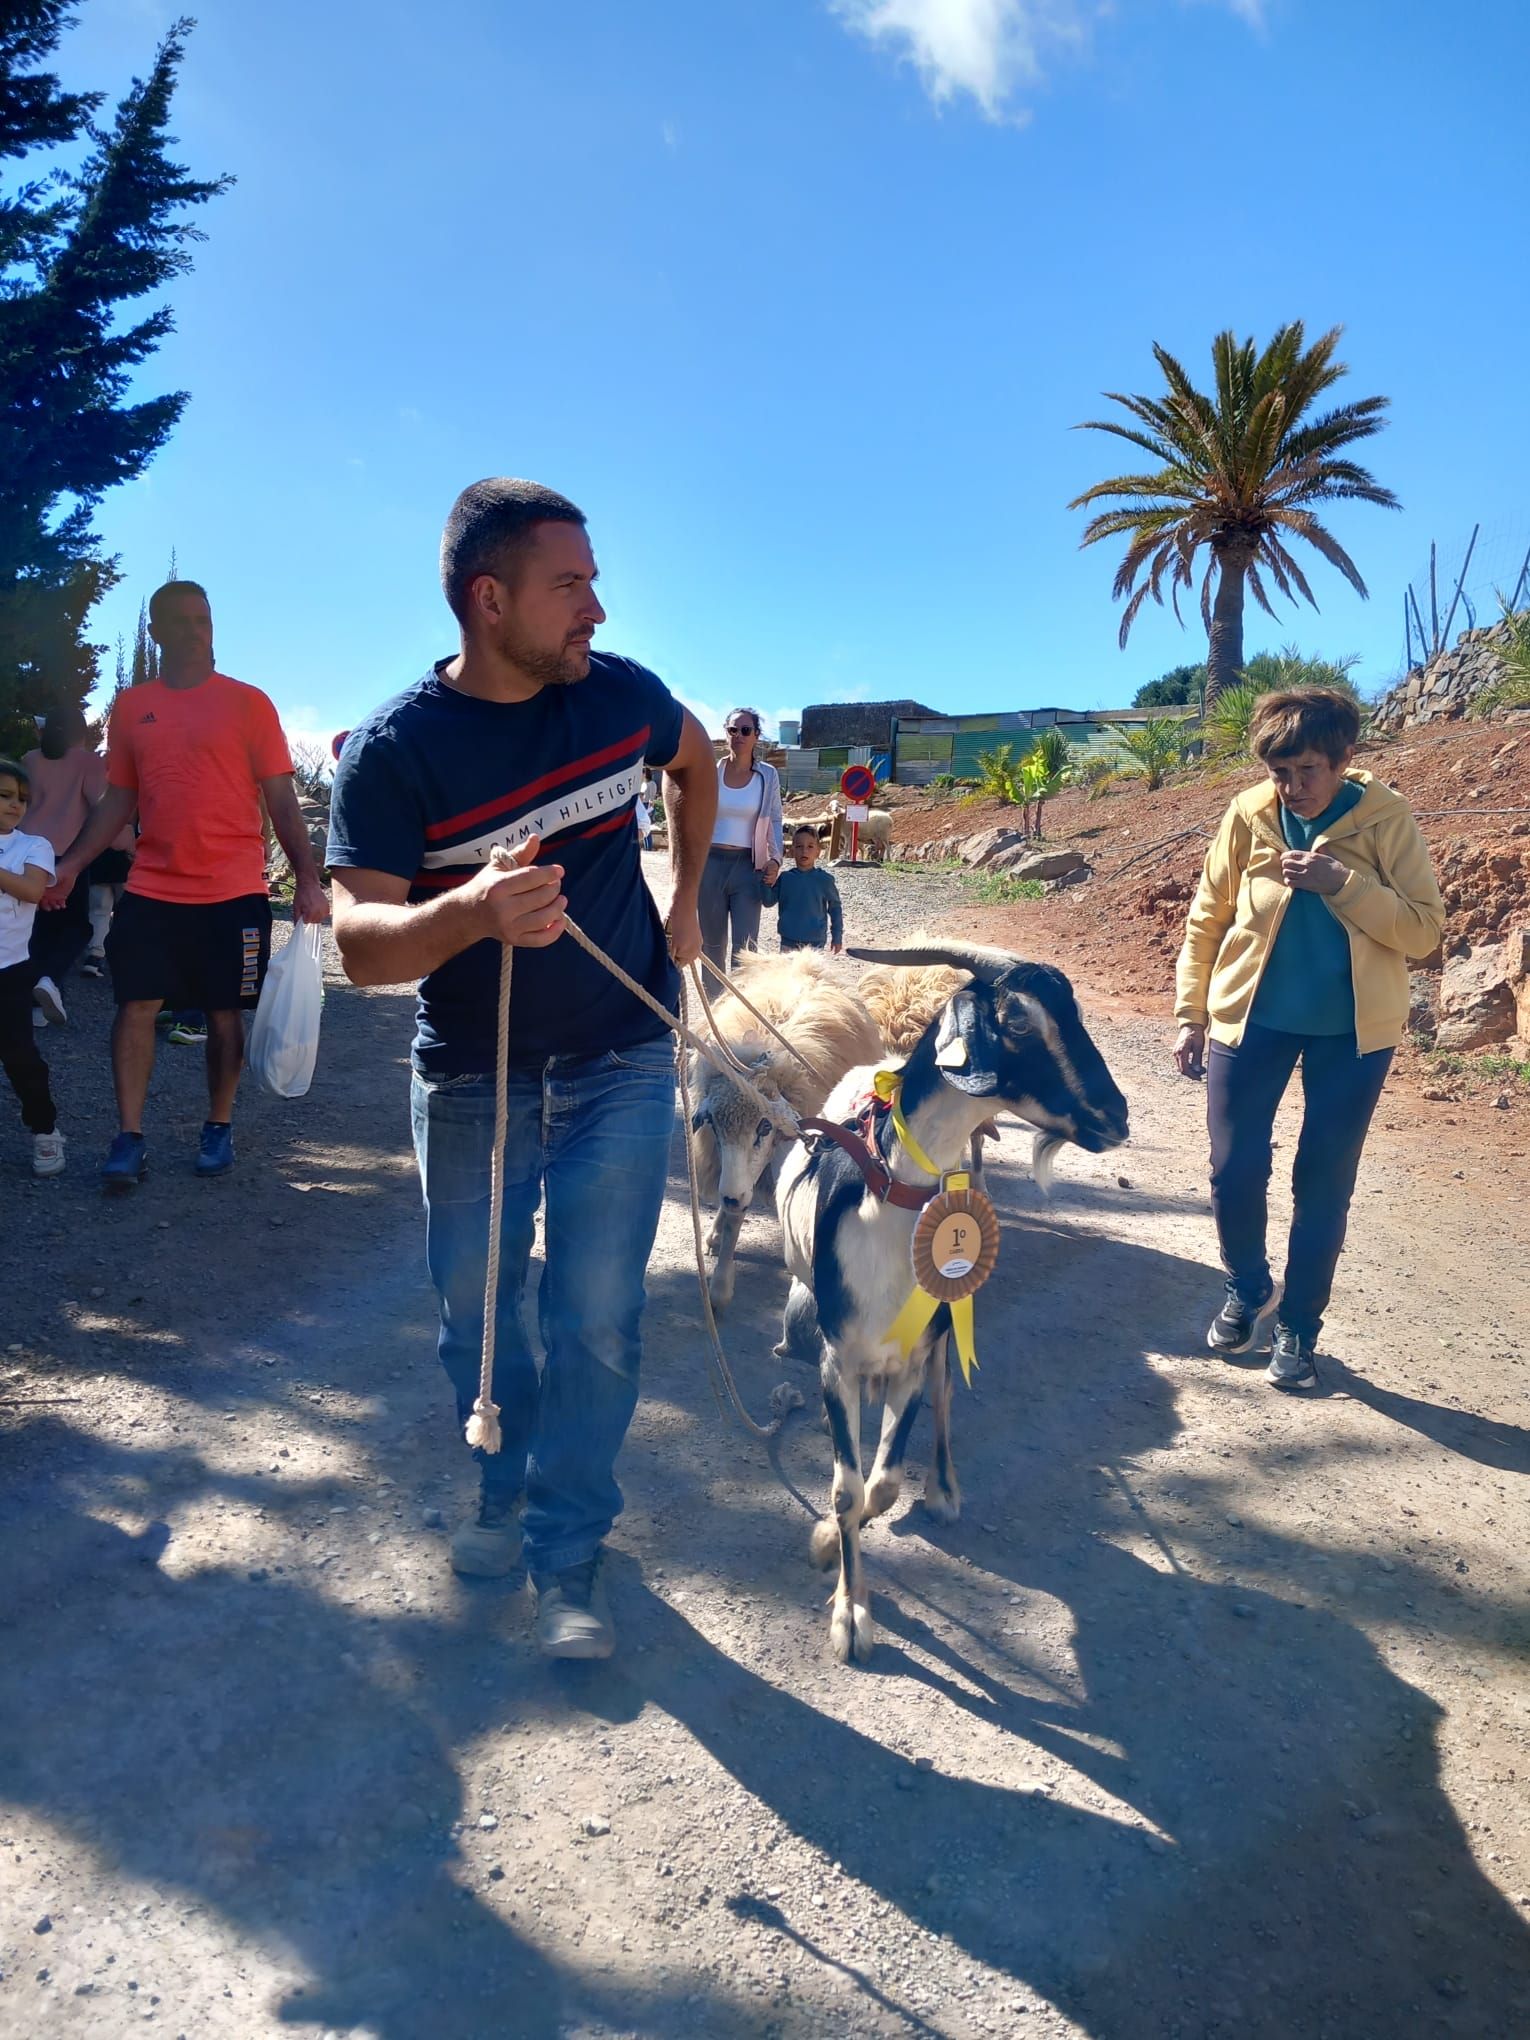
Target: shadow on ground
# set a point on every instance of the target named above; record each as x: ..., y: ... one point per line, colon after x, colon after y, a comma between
x: 295, y: 1764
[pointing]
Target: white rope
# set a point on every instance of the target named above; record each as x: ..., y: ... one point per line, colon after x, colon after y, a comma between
x: 816, y: 1074
x: 483, y: 1424
x: 483, y: 1427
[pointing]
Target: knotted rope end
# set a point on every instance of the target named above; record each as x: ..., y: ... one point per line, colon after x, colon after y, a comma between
x: 483, y: 1426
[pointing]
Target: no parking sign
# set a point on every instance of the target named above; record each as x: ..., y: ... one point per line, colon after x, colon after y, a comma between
x: 857, y: 783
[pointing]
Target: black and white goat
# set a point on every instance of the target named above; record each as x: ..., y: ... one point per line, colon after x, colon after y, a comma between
x: 1011, y: 1039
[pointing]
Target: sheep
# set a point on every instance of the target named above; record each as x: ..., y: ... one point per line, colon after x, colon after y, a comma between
x: 873, y: 841
x: 1012, y: 1036
x: 828, y: 1024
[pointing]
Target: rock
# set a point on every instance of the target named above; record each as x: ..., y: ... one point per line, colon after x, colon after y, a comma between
x: 1021, y: 862
x: 1478, y: 1007
x: 596, y: 1824
x: 43, y: 1926
x: 981, y: 849
x: 432, y: 1519
x: 1448, y: 685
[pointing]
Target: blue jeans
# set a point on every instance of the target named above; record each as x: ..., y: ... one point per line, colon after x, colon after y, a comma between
x: 595, y: 1133
x: 1244, y: 1086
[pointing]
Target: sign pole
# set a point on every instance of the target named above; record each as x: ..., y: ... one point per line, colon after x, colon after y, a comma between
x: 857, y: 783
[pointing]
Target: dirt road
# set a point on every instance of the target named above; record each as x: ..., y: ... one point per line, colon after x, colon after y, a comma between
x: 1210, y: 1716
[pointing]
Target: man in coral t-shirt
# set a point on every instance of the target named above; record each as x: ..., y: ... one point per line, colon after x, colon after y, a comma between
x: 191, y: 753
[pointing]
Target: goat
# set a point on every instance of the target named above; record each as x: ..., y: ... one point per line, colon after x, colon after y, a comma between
x: 1011, y: 1037
x: 827, y: 1024
x: 903, y: 1002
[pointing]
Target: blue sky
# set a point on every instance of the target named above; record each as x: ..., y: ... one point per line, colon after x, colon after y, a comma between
x: 798, y: 300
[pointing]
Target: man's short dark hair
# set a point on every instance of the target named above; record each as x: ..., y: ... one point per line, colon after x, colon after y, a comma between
x: 168, y: 588
x: 9, y: 769
x: 489, y: 525
x: 1297, y: 719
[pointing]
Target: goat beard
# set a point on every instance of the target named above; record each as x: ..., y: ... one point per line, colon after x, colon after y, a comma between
x: 1043, y: 1153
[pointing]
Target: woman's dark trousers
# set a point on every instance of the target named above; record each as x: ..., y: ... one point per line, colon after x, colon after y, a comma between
x: 1244, y: 1085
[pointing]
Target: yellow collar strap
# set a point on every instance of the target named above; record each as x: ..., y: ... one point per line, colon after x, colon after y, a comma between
x: 887, y: 1084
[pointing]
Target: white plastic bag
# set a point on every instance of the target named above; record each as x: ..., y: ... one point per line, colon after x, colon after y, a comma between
x: 284, y: 1038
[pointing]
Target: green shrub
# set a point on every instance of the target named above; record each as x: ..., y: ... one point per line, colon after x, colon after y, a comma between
x: 1095, y: 771
x: 1226, y: 723
x: 1512, y: 688
x: 999, y: 889
x: 1152, y: 749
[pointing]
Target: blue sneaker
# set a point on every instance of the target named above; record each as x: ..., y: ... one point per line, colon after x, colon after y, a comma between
x: 126, y: 1163
x: 215, y: 1154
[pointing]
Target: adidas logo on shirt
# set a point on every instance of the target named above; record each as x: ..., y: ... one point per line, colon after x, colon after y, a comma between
x: 150, y: 717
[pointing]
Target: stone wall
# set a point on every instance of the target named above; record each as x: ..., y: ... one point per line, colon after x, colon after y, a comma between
x: 1448, y: 685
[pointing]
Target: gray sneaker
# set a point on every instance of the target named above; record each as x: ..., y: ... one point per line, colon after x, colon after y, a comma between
x: 573, y: 1617
x: 1291, y: 1362
x: 1236, y: 1325
x: 490, y: 1546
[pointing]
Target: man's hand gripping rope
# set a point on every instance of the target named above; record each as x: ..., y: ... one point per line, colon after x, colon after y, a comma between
x: 528, y: 910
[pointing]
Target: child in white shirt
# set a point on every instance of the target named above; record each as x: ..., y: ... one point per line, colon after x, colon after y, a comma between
x: 26, y: 871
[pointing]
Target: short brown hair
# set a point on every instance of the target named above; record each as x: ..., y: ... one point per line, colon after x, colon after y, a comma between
x: 489, y: 527
x: 1298, y: 719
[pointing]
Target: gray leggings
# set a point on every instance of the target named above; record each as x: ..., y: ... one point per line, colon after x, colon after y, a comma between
x: 730, y: 894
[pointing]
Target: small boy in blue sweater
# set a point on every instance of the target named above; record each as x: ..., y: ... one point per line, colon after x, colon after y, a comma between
x: 808, y: 899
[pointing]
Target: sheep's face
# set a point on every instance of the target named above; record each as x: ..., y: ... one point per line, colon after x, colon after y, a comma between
x: 745, y: 1140
x: 1023, y: 1041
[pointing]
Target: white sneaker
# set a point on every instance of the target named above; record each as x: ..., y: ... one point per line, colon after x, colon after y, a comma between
x: 39, y: 1017
x: 47, y: 1154
x: 45, y: 997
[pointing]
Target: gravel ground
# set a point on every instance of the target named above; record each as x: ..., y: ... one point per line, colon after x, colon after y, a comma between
x: 1208, y: 1718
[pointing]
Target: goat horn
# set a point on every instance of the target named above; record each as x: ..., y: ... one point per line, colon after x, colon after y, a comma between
x: 984, y: 963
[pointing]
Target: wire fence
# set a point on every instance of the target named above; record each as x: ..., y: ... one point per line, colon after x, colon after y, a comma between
x: 1463, y: 584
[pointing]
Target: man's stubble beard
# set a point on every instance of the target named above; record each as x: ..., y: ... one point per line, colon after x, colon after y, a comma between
x: 548, y: 669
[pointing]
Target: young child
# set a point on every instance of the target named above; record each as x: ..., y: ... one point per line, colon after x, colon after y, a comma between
x: 808, y: 898
x: 26, y: 870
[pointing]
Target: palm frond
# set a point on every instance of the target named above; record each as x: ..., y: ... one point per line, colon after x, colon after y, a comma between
x: 1306, y: 526
x: 1165, y: 484
x: 1256, y: 588
x: 1288, y: 566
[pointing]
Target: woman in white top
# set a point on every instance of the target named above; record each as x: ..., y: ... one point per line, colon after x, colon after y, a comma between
x: 745, y: 855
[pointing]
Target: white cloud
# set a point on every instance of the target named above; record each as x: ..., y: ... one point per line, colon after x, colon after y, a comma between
x: 988, y: 49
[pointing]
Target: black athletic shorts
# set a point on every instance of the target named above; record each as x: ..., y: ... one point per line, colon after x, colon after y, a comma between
x: 110, y: 868
x: 213, y: 957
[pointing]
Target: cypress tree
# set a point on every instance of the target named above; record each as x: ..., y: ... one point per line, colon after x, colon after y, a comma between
x: 75, y: 249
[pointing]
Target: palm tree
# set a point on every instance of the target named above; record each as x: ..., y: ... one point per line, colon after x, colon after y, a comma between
x: 1153, y: 748
x: 1043, y: 771
x: 1237, y: 475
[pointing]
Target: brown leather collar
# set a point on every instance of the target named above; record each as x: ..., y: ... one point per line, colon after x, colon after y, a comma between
x: 879, y: 1178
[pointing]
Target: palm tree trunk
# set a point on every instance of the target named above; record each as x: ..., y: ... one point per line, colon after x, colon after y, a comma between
x: 1224, y: 653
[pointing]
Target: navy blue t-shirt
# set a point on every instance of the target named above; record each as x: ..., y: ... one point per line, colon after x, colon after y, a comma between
x: 431, y: 781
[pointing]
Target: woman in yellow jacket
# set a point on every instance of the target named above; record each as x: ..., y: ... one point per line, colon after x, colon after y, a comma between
x: 1316, y: 891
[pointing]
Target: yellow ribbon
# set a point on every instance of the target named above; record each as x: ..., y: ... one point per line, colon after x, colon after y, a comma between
x: 887, y: 1084
x: 908, y: 1326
